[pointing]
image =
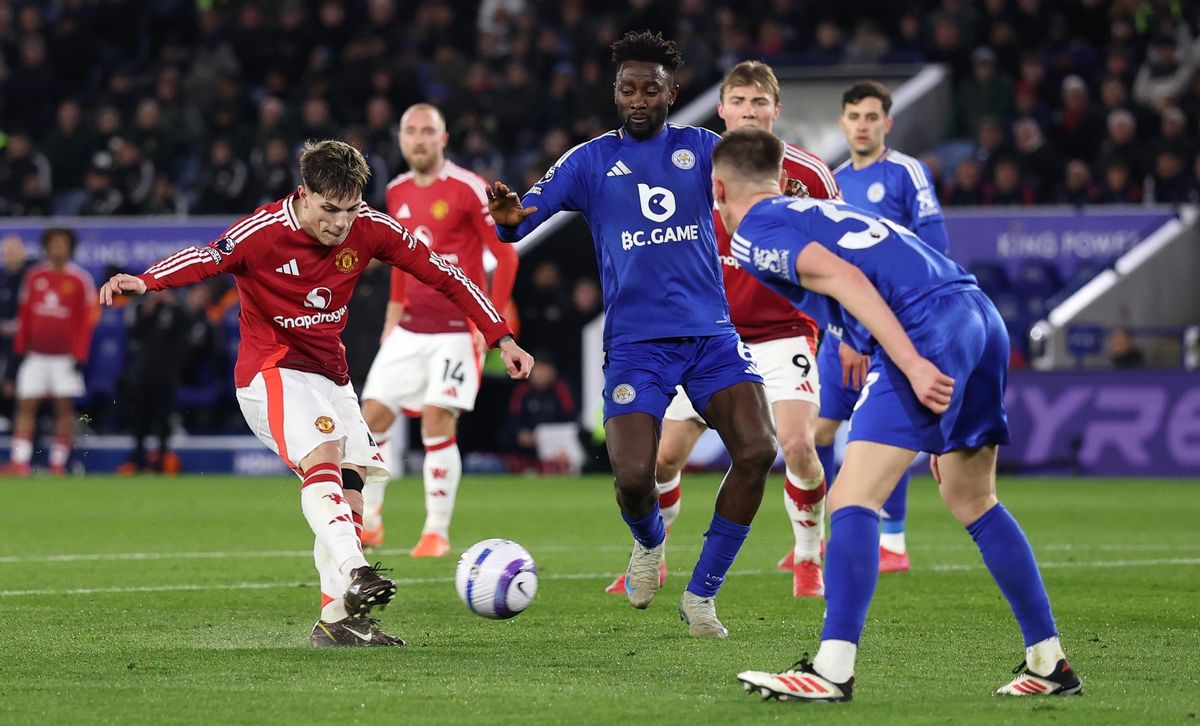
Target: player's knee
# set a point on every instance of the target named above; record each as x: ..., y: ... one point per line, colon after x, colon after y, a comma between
x: 756, y: 455
x: 668, y: 464
x: 633, y: 477
x: 799, y: 450
x: 966, y: 506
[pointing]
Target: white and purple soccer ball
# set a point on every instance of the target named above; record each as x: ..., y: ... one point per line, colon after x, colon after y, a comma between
x: 496, y: 578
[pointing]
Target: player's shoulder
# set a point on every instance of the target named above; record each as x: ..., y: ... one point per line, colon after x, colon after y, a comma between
x: 400, y: 180
x: 797, y: 161
x: 906, y: 168
x: 374, y: 225
x: 699, y: 133
x: 78, y: 272
x: 843, y: 168
x: 582, y: 152
x: 464, y: 180
x: 268, y: 221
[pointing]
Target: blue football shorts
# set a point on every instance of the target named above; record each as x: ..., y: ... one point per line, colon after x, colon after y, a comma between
x: 640, y: 377
x: 964, y: 336
x: 837, y: 400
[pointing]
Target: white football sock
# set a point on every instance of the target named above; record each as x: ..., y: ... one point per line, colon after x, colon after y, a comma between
x: 443, y: 470
x: 22, y: 450
x: 60, y: 451
x: 373, y: 491
x: 328, y: 513
x: 1043, y: 656
x: 669, y: 499
x: 805, y: 503
x: 333, y: 585
x: 835, y: 660
x: 893, y: 542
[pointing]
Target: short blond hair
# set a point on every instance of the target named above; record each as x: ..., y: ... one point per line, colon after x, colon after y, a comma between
x: 752, y: 73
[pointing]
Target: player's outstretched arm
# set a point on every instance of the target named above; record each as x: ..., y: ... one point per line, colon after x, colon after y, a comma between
x: 824, y: 273
x: 505, y: 206
x: 121, y: 284
x: 516, y: 360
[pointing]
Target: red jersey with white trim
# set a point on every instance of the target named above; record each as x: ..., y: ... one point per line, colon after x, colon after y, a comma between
x: 451, y: 217
x: 57, y: 312
x: 294, y: 290
x: 759, y: 313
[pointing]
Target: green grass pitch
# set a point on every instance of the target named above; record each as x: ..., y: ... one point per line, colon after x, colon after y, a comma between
x: 189, y: 600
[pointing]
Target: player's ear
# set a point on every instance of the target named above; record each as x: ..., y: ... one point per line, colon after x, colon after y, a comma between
x: 718, y: 190
x: 887, y: 125
x: 672, y: 94
x: 783, y: 181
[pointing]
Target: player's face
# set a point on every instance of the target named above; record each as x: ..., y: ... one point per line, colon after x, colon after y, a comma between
x: 327, y: 219
x: 748, y: 106
x: 423, y: 140
x: 865, y: 125
x: 58, y: 249
x: 643, y: 93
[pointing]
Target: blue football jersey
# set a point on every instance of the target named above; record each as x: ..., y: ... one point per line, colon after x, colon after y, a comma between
x: 905, y: 270
x: 900, y: 188
x: 649, y: 205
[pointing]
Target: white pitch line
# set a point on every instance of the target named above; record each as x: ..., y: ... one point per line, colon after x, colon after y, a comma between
x: 1103, y: 564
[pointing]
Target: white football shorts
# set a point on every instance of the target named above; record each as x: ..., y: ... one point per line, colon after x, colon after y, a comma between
x: 413, y: 370
x: 53, y: 376
x: 789, y: 370
x: 294, y: 412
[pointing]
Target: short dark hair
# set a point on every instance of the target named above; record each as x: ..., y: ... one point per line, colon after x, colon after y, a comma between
x: 751, y: 153
x: 50, y: 233
x: 648, y: 47
x: 868, y: 89
x: 333, y: 169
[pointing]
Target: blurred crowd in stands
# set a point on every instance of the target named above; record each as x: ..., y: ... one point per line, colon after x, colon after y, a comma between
x: 177, y: 106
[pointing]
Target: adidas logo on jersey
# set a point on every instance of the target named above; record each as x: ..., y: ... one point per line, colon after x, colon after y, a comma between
x: 403, y: 212
x: 619, y: 169
x: 289, y: 268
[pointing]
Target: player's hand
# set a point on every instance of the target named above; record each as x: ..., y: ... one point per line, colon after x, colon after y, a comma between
x: 516, y: 360
x: 505, y: 206
x: 481, y: 346
x: 121, y: 284
x: 854, y: 366
x: 933, y: 388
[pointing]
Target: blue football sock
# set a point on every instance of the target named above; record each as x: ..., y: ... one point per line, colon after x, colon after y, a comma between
x: 825, y: 454
x: 895, y: 509
x: 721, y: 544
x: 851, y: 571
x: 649, y: 530
x: 1010, y: 559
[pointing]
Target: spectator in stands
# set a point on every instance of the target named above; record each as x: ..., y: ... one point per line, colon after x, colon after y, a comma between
x: 133, y: 175
x: 1173, y: 134
x: 273, y: 172
x: 224, y: 182
x: 967, y: 187
x: 19, y: 161
x: 1122, y: 143
x: 1078, y: 127
x: 68, y: 146
x: 101, y: 197
x: 1041, y: 165
x: 1123, y: 352
x: 164, y: 201
x: 32, y: 88
x: 1078, y: 188
x: 1170, y: 182
x: 1114, y: 96
x: 1118, y: 186
x: 1165, y: 73
x: 1006, y: 187
x: 990, y: 142
x: 544, y: 308
x: 989, y: 92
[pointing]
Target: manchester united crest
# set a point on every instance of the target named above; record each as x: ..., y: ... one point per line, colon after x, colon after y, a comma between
x: 346, y: 260
x: 440, y: 209
x: 324, y: 424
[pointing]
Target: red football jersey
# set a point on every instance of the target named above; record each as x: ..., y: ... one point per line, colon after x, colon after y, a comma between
x: 759, y: 313
x: 294, y: 290
x: 57, y: 312
x: 451, y: 217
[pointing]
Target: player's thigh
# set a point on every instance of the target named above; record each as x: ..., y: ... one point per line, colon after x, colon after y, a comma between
x: 400, y: 372
x: 65, y: 380
x: 981, y: 416
x: 679, y: 437
x: 868, y: 474
x: 724, y: 369
x: 34, y: 377
x: 290, y: 412
x: 632, y: 441
x: 740, y: 414
x: 789, y: 370
x: 454, y: 372
x: 360, y: 448
x: 641, y: 377
x: 836, y: 399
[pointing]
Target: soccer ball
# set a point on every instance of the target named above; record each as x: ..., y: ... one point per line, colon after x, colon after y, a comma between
x: 496, y: 578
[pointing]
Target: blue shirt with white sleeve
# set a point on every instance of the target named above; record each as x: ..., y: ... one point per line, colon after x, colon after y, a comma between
x: 900, y: 188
